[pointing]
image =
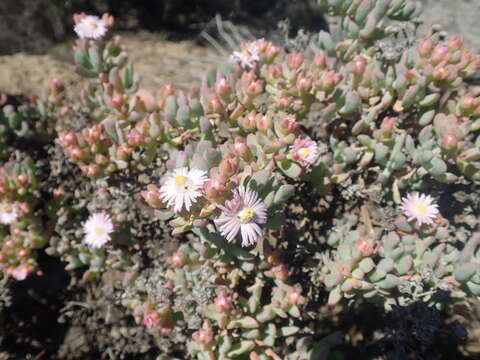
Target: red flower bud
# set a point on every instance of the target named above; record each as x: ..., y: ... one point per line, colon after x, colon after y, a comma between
x: 294, y: 60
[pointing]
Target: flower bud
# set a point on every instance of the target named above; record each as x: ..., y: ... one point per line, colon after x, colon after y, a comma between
x: 229, y: 165
x: 440, y: 53
x: 69, y: 138
x: 214, y: 188
x: 117, y: 101
x: 304, y: 84
x: 177, y: 259
x: 449, y: 142
x: 240, y: 147
x: 215, y: 105
x: 92, y: 170
x: 320, y: 60
x: 294, y: 296
x: 271, y: 52
x: 264, y: 122
x: 223, y: 302
x: 152, y: 196
x: 388, y: 126
x: 124, y: 152
x: 93, y: 133
x: 134, y: 138
x: 248, y: 122
x: 255, y: 88
x: 223, y: 88
x: 280, y: 272
x: 203, y: 336
x: 441, y: 73
x: 455, y: 43
x: 425, y: 47
x: 64, y: 111
x: 101, y: 159
x: 285, y: 101
x: 77, y: 154
x: 294, y: 60
x: 359, y: 65
x: 364, y: 247
x: 288, y: 124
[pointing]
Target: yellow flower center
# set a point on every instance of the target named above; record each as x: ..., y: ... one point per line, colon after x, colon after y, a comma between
x: 180, y: 180
x: 93, y: 23
x: 421, y: 208
x: 246, y: 214
x: 98, y: 230
x: 304, y: 152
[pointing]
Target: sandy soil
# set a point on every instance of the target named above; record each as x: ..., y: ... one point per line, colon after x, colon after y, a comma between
x: 157, y: 62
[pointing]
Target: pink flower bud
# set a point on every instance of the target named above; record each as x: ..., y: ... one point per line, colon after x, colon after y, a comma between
x: 264, y: 122
x: 359, y: 65
x: 64, y: 111
x: 440, y: 53
x: 449, y: 142
x: 294, y: 60
x: 425, y: 47
x: 134, y: 138
x: 280, y: 272
x: 248, y: 122
x: 69, y: 138
x: 271, y: 52
x: 240, y: 147
x: 152, y: 196
x: 203, y: 336
x: 77, y: 154
x: 215, y: 105
x: 441, y: 73
x: 177, y: 259
x: 117, y: 100
x: 364, y: 247
x: 93, y: 134
x: 294, y: 296
x: 92, y: 170
x: 101, y: 159
x: 223, y: 302
x: 229, y: 165
x: 304, y: 84
x: 223, y: 88
x: 455, y: 43
x: 288, y: 124
x: 103, y: 77
x: 388, y: 125
x: 285, y: 101
x: 214, y: 188
x: 124, y: 152
x: 255, y: 88
x: 320, y: 60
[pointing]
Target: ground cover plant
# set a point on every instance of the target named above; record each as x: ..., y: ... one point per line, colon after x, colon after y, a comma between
x: 254, y: 215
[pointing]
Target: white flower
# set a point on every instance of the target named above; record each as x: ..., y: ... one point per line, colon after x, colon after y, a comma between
x: 244, y: 213
x: 249, y: 54
x: 183, y: 187
x: 91, y: 27
x: 97, y: 230
x: 305, y: 151
x: 8, y: 212
x: 419, y: 207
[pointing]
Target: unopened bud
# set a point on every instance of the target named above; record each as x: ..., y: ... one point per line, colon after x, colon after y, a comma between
x: 177, y: 259
x: 229, y: 165
x: 92, y: 170
x: 294, y: 60
x: 124, y: 152
x: 248, y: 122
x: 223, y: 88
x: 152, y: 196
x: 134, y: 138
x: 117, y: 100
x: 425, y: 47
x: 223, y: 302
x: 440, y: 73
x: 455, y: 43
x: 214, y: 188
x: 449, y: 142
x: 359, y: 65
x: 215, y: 105
x: 255, y: 88
x: 264, y: 122
x: 204, y: 336
x: 240, y: 147
x: 364, y: 247
x: 294, y: 296
x: 320, y: 60
x: 304, y: 84
x: 440, y: 53
x: 288, y: 124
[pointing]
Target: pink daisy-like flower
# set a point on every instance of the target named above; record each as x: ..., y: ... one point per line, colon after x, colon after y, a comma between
x: 419, y: 207
x: 183, y: 187
x: 97, y: 230
x: 242, y: 214
x: 91, y: 27
x: 305, y: 151
x: 248, y: 56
